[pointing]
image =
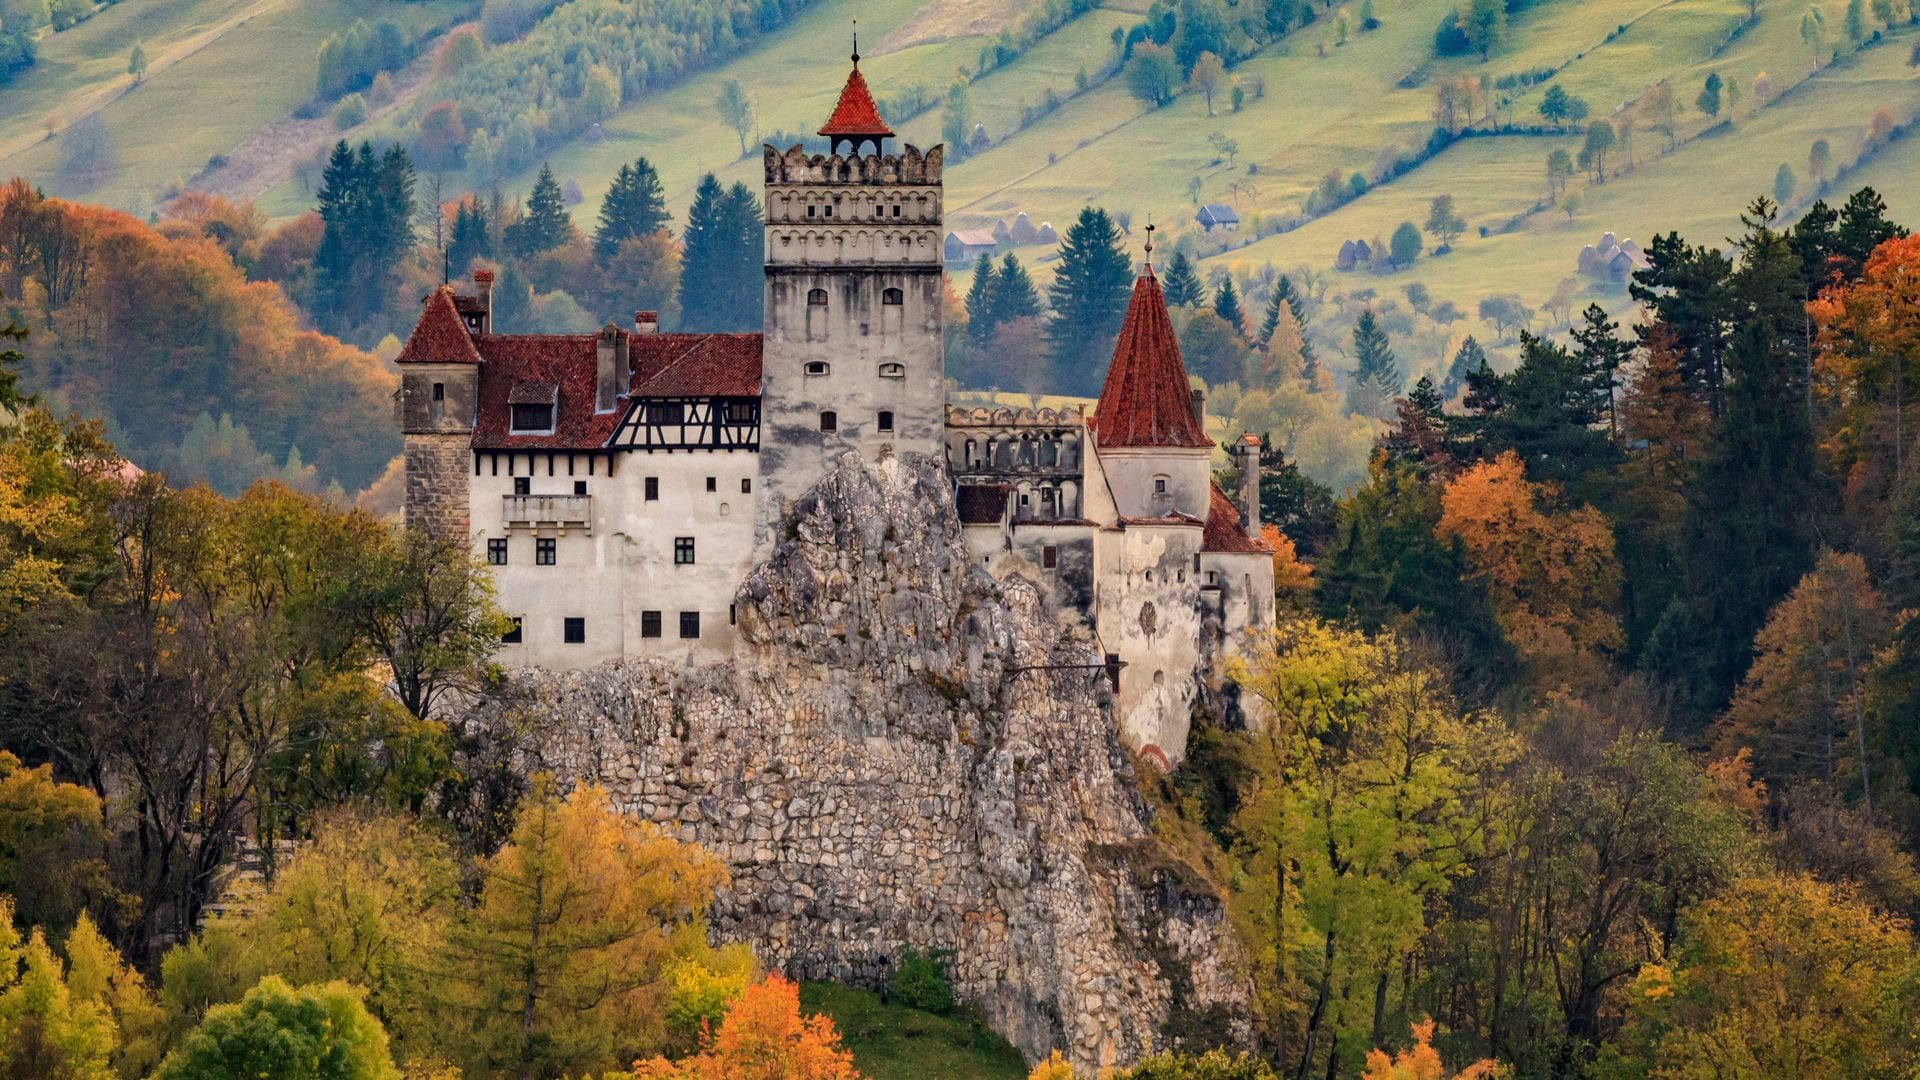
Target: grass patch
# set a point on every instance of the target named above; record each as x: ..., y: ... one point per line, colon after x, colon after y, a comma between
x: 893, y: 1042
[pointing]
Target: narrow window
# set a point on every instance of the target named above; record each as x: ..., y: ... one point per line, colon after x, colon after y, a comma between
x: 893, y: 297
x: 733, y: 614
x: 522, y: 485
x: 816, y: 298
x: 829, y: 421
x: 1159, y: 485
x: 886, y: 420
x: 649, y: 624
x: 817, y: 367
x: 543, y: 551
x: 689, y: 624
x: 830, y: 209
x: 811, y: 210
x: 576, y: 630
x: 439, y: 391
x: 1049, y: 556
x: 653, y: 489
x: 683, y: 551
x: 713, y: 483
x: 497, y: 552
x: 579, y: 487
x: 896, y: 209
x: 512, y: 636
x: 746, y: 486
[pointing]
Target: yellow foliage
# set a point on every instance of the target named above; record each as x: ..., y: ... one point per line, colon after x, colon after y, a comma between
x: 1054, y: 1068
x: 1422, y: 1062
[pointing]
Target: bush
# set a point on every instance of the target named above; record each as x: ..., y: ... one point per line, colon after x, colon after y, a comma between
x: 920, y: 980
x: 350, y: 112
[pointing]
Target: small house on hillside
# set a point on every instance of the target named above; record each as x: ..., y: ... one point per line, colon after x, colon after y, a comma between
x: 1217, y: 215
x: 967, y: 245
x: 977, y: 143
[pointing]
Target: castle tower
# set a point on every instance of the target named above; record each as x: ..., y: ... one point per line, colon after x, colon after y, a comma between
x: 853, y: 339
x: 439, y: 391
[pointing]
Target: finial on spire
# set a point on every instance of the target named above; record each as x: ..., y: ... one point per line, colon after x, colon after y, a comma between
x: 856, y: 43
x: 1149, y: 242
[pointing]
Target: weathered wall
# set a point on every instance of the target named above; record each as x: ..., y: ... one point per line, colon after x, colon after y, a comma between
x: 886, y: 763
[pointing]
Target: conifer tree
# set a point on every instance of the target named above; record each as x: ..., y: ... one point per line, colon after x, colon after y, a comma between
x: 1271, y: 321
x: 1180, y: 283
x: 744, y: 270
x: 512, y: 301
x: 720, y: 280
x: 1550, y: 409
x: 470, y: 238
x: 1226, y: 304
x: 1376, y: 374
x: 633, y: 207
x: 545, y: 225
x: 1089, y: 298
x: 1602, y: 353
x: 366, y: 202
x: 1012, y: 296
x: 980, y: 325
x: 1468, y: 360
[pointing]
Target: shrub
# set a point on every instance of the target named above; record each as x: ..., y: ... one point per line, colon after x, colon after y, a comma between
x: 351, y: 110
x: 920, y: 980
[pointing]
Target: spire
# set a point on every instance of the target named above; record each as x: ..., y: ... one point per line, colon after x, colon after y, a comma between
x: 855, y: 118
x: 1149, y: 245
x: 441, y: 336
x: 1146, y: 401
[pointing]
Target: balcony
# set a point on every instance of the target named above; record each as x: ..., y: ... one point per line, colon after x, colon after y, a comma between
x: 555, y: 511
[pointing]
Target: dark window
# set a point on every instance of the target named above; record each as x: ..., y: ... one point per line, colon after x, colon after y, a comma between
x: 829, y: 421
x: 649, y: 624
x: 543, y: 551
x: 816, y: 367
x: 810, y: 210
x: 522, y: 485
x: 666, y: 412
x: 497, y: 552
x: 830, y: 211
x: 896, y: 209
x: 653, y: 489
x: 533, y: 418
x: 733, y: 614
x: 893, y: 371
x: 576, y: 631
x: 1159, y: 485
x: 713, y: 483
x: 689, y: 624
x: 1049, y: 556
x: 886, y: 420
x: 1113, y: 670
x: 439, y: 391
x: 512, y: 636
x: 683, y: 551
x: 579, y: 487
x: 893, y: 297
x: 816, y: 298
x: 746, y: 486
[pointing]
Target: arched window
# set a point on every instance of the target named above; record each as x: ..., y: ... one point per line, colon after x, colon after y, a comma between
x: 829, y: 421
x: 816, y: 298
x: 893, y: 297
x: 893, y: 371
x: 816, y: 367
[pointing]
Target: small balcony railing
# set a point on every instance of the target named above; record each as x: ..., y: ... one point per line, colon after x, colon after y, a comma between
x: 558, y: 511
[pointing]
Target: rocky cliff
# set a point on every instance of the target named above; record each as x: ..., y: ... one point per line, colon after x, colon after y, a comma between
x: 907, y: 752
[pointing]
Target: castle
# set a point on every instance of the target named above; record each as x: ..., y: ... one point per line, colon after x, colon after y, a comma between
x: 639, y: 475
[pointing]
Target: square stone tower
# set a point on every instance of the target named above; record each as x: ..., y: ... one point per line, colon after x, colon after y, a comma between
x: 435, y: 405
x: 853, y: 355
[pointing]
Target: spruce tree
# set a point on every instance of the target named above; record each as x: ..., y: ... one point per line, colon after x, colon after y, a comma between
x: 545, y: 225
x: 1271, y: 321
x: 1012, y: 296
x: 1376, y: 374
x: 1226, y: 304
x: 1468, y: 360
x: 1603, y: 352
x: 512, y: 301
x: 1310, y: 369
x: 470, y: 238
x: 633, y: 207
x: 745, y: 266
x: 980, y: 325
x: 1180, y: 284
x: 1089, y: 298
x: 1419, y: 435
x: 1551, y: 409
x: 703, y: 258
x: 366, y: 203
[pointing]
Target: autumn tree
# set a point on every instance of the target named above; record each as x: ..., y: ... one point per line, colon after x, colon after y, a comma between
x: 1444, y: 223
x: 53, y: 846
x: 763, y: 1035
x: 1207, y: 76
x: 1421, y: 1062
x: 305, y: 1033
x: 47, y: 1029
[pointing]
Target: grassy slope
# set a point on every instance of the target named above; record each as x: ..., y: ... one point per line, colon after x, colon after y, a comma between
x: 894, y: 1042
x: 233, y: 65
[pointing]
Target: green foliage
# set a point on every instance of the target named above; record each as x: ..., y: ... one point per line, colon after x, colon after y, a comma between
x: 1377, y: 379
x: 1152, y: 75
x: 721, y: 280
x: 1485, y: 26
x: 1216, y: 1064
x: 366, y: 200
x: 1404, y: 246
x: 52, y: 842
x: 310, y: 1033
x: 919, y: 979
x: 49, y: 1031
x: 633, y: 206
x: 1088, y: 298
x: 1180, y: 283
x: 545, y: 225
x: 894, y: 1041
x: 1226, y: 304
x: 956, y: 119
x: 351, y: 58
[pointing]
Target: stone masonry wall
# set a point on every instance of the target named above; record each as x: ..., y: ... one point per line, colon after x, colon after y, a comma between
x: 889, y: 761
x: 436, y: 475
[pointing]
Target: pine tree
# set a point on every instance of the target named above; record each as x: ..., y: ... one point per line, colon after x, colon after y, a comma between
x: 1012, y: 296
x: 633, y: 207
x: 1602, y: 353
x: 980, y: 324
x: 470, y: 238
x: 1468, y: 360
x: 1180, y: 284
x: 744, y: 269
x: 1226, y: 304
x: 1089, y: 298
x: 1310, y: 364
x: 545, y: 225
x: 1271, y: 321
x: 366, y: 202
x: 1550, y: 409
x: 1376, y: 374
x: 512, y: 301
x: 1419, y: 435
x: 702, y: 264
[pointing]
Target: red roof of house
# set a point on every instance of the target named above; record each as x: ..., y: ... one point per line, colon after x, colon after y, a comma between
x: 1146, y: 400
x: 518, y: 366
x: 1224, y: 532
x: 856, y: 114
x: 441, y: 335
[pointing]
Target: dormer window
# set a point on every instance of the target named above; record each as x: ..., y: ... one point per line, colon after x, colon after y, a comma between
x: 531, y: 408
x: 893, y: 371
x: 817, y: 367
x: 893, y: 297
x: 533, y: 418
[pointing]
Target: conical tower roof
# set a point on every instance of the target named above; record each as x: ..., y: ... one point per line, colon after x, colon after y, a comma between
x: 1146, y: 400
x: 856, y: 115
x: 441, y: 335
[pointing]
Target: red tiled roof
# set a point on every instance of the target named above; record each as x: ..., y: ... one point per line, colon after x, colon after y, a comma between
x: 1146, y: 400
x: 1223, y: 528
x: 696, y: 365
x: 982, y: 504
x: 856, y: 114
x: 662, y: 365
x: 441, y: 335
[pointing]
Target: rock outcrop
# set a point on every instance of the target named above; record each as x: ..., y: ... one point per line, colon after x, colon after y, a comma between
x: 906, y: 752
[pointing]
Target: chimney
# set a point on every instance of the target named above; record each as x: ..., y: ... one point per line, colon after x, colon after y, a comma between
x: 1247, y: 465
x: 610, y: 369
x: 1200, y: 408
x: 646, y: 322
x: 483, y: 285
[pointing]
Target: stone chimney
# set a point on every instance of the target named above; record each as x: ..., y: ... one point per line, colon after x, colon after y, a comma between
x: 611, y: 368
x: 1199, y: 398
x: 646, y: 322
x: 483, y: 287
x: 1246, y: 460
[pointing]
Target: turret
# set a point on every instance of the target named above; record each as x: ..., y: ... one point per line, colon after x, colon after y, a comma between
x: 439, y: 392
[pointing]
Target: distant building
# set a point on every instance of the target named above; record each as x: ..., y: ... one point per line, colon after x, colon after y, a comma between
x: 978, y: 141
x: 966, y: 245
x: 1217, y: 215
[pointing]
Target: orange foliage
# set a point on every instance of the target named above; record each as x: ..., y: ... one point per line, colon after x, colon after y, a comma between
x: 1869, y: 331
x: 1550, y: 575
x: 1422, y: 1062
x: 1291, y: 574
x: 763, y: 1037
